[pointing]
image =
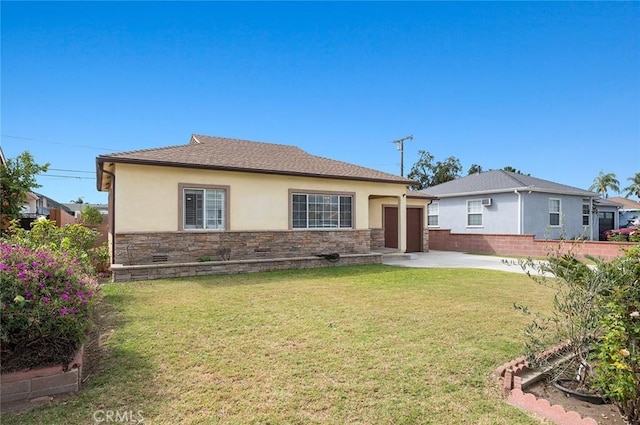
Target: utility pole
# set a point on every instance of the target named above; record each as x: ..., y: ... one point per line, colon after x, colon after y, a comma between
x: 400, y: 146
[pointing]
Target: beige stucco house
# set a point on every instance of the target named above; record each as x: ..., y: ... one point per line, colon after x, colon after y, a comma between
x: 233, y: 199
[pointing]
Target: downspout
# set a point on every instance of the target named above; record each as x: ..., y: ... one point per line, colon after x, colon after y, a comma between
x: 519, y: 211
x: 113, y: 212
x: 591, y: 219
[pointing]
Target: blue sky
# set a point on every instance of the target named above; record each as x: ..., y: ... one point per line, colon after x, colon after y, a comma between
x: 552, y: 89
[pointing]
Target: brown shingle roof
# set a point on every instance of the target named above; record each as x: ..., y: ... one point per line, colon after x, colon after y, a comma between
x: 219, y: 153
x: 627, y: 204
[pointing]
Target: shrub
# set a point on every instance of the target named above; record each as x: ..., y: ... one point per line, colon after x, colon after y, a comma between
x: 75, y: 240
x: 46, y: 301
x: 617, y: 351
x: 91, y: 215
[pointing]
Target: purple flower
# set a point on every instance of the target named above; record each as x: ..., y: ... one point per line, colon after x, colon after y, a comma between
x: 28, y: 295
x: 64, y: 296
x: 63, y: 310
x: 69, y: 271
x: 46, y: 300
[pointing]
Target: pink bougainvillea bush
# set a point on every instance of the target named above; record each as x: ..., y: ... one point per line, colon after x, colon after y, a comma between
x: 46, y: 305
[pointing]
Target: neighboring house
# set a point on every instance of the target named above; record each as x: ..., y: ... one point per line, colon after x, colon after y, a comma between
x: 629, y: 212
x: 228, y: 198
x: 608, y: 216
x: 501, y: 202
x: 39, y: 205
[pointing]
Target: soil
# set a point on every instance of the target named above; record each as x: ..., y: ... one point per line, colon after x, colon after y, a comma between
x: 604, y: 414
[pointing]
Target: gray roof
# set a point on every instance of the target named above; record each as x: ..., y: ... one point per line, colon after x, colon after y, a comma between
x: 219, y: 153
x: 497, y: 181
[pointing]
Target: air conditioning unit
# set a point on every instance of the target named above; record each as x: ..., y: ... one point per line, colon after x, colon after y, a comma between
x: 486, y: 202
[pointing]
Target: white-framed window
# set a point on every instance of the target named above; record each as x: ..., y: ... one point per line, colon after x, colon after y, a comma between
x: 433, y: 214
x: 203, y: 208
x: 474, y: 213
x: 321, y: 211
x: 555, y: 209
x: 586, y: 214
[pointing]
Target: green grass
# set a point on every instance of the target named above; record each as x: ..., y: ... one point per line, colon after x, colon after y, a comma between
x: 346, y: 345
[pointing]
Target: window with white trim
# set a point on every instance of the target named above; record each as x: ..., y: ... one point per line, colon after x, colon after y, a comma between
x: 433, y: 213
x: 474, y: 213
x: 321, y: 211
x: 204, y: 209
x: 586, y: 214
x: 555, y: 209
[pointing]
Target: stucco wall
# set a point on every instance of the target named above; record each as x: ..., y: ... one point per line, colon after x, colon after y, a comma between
x: 376, y: 204
x: 146, y: 197
x: 536, y: 217
x: 500, y: 217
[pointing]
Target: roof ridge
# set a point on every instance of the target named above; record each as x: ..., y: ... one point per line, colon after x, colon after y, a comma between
x: 142, y: 150
x: 512, y: 176
x: 247, y: 141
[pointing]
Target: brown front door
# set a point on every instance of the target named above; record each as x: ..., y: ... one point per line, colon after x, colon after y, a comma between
x: 414, y: 228
x: 391, y: 227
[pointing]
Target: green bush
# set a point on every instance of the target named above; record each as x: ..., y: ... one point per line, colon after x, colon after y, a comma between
x: 46, y: 303
x: 617, y: 351
x: 75, y: 240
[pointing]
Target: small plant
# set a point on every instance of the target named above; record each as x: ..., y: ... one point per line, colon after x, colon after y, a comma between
x: 46, y: 302
x: 204, y: 259
x: 91, y: 215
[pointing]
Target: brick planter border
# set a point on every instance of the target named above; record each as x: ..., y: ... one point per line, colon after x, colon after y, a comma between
x: 45, y: 381
x: 511, y: 374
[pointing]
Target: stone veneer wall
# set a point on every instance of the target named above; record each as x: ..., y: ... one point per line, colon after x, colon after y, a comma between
x: 377, y: 238
x: 121, y: 273
x: 185, y: 247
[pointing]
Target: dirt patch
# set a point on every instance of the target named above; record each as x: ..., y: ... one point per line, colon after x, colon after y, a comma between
x: 604, y: 414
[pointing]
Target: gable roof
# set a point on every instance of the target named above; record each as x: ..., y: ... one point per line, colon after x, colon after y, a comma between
x: 627, y: 204
x: 498, y: 181
x: 219, y: 153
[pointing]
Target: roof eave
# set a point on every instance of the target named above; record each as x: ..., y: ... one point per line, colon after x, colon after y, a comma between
x: 101, y: 159
x: 513, y: 190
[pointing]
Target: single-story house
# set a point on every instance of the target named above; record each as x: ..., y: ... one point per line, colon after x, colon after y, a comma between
x: 502, y: 202
x: 224, y: 198
x: 629, y: 211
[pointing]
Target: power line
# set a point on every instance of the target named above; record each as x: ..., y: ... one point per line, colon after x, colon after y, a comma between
x: 72, y: 171
x: 68, y: 177
x: 56, y: 143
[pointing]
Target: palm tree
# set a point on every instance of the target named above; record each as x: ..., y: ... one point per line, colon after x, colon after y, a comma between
x: 634, y: 188
x: 603, y: 182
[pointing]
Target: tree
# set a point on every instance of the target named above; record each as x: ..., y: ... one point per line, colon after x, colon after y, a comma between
x: 422, y: 170
x: 511, y: 169
x: 91, y: 215
x: 604, y: 182
x: 474, y: 169
x: 634, y: 188
x: 17, y: 178
x: 446, y: 171
x: 80, y: 200
x: 428, y: 173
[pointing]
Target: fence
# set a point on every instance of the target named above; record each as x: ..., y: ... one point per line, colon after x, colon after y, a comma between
x: 521, y: 245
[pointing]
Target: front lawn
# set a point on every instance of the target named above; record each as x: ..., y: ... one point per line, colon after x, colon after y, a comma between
x: 359, y: 345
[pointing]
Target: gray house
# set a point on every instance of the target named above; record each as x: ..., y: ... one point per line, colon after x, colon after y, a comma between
x: 501, y: 202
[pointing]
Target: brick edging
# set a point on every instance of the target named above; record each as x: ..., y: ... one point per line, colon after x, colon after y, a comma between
x: 510, y: 377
